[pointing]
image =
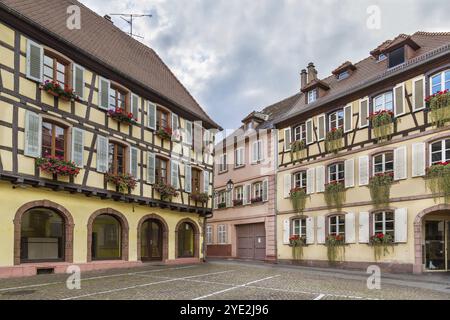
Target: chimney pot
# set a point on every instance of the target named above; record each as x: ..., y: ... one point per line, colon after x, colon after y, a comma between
x: 303, y: 79
x: 312, y: 72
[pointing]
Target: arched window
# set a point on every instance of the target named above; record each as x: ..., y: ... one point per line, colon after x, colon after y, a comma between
x: 42, y: 236
x: 186, y: 240
x: 106, y: 238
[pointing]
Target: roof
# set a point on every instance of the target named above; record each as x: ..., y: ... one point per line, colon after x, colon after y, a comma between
x: 347, y: 65
x: 100, y: 39
x: 370, y: 71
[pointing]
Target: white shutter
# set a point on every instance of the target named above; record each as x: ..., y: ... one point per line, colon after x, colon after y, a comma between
x: 187, y: 178
x: 261, y: 150
x: 364, y: 170
x: 350, y: 228
x: 103, y: 93
x: 102, y: 154
x: 228, y: 198
x: 174, y: 174
x: 255, y: 152
x: 215, y: 202
x: 363, y: 234
x: 151, y: 168
x: 310, y: 230
x: 206, y: 181
x: 175, y: 122
x: 78, y: 147
x: 349, y: 173
x: 399, y: 103
x: 78, y: 80
x: 134, y: 162
x: 287, y: 185
x: 198, y: 137
x: 401, y: 225
x: 35, y: 61
x: 348, y: 118
x: 418, y: 159
x: 320, y: 179
x: 310, y: 181
x: 287, y: 139
x: 320, y: 229
x: 400, y: 163
x: 151, y: 117
x: 265, y: 190
x: 309, y: 131
x: 188, y: 132
x: 286, y: 231
x: 135, y: 106
x: 363, y: 113
x: 247, y: 194
x: 321, y: 127
x: 33, y: 134
x: 418, y: 93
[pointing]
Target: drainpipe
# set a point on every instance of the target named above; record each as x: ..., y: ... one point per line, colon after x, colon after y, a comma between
x: 275, y: 143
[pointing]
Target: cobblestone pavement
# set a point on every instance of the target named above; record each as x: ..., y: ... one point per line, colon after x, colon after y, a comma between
x: 225, y: 281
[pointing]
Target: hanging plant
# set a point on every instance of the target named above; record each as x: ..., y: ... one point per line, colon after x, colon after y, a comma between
x: 333, y: 140
x: 238, y: 202
x: 298, y: 199
x: 380, y: 188
x: 438, y: 180
x: 381, y: 244
x: 58, y: 166
x: 54, y: 88
x: 298, y: 149
x: 438, y: 106
x: 297, y: 243
x: 164, y: 133
x: 335, y: 194
x: 382, y: 124
x: 335, y: 248
x: 123, y: 181
x: 200, y: 197
x: 166, y: 191
x: 122, y: 116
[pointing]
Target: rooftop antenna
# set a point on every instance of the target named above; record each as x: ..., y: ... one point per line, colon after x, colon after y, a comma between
x: 129, y: 20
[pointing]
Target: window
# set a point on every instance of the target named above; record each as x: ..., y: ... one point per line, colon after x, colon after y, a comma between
x: 336, y: 172
x: 53, y: 140
x: 312, y: 96
x: 336, y: 120
x: 440, y: 82
x: 222, y: 234
x: 336, y: 226
x: 440, y: 151
x: 300, y: 133
x: 396, y: 57
x: 257, y: 151
x: 161, y: 171
x: 300, y: 179
x: 55, y: 70
x: 239, y: 157
x: 209, y: 234
x: 257, y: 192
x: 382, y: 57
x: 343, y: 75
x: 299, y: 227
x: 186, y: 240
x: 383, y: 222
x: 162, y: 120
x: 117, y: 99
x: 222, y: 199
x: 106, y: 238
x: 196, y: 178
x: 116, y: 158
x: 239, y: 194
x: 223, y: 163
x: 383, y: 102
x: 383, y: 163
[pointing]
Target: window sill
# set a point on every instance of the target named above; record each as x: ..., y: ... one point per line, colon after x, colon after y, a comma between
x: 223, y: 172
x: 239, y: 167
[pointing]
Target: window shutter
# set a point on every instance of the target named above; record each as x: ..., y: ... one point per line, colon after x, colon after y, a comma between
x: 287, y: 185
x: 350, y: 228
x: 102, y: 154
x: 215, y: 202
x: 78, y: 147
x: 187, y: 178
x: 198, y: 137
x: 78, y: 80
x: 206, y: 181
x: 309, y: 132
x: 151, y: 163
x: 287, y: 139
x: 255, y: 152
x: 247, y: 194
x: 348, y: 118
x: 174, y: 174
x: 228, y: 198
x: 103, y: 93
x: 135, y: 106
x: 399, y: 104
x: 266, y: 190
x: 363, y: 235
x: 175, y: 122
x: 188, y: 133
x: 320, y: 179
x: 35, y: 61
x: 418, y: 159
x: 364, y: 170
x: 401, y: 225
x: 151, y: 116
x: 400, y: 164
x: 310, y: 181
x: 134, y: 155
x: 310, y: 230
x: 321, y: 127
x: 419, y: 94
x: 33, y: 134
x: 286, y: 231
x: 320, y: 229
x: 364, y: 113
x: 261, y: 150
x: 349, y: 173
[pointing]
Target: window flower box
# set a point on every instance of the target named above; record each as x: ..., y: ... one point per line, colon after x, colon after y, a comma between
x: 57, y: 166
x: 380, y: 188
x: 381, y: 243
x: 438, y: 180
x: 166, y: 191
x: 164, y: 133
x: 123, y: 182
x: 298, y: 149
x: 438, y: 106
x: 298, y: 199
x: 335, y: 248
x: 222, y: 205
x: 257, y: 200
x: 238, y: 203
x: 200, y: 197
x: 297, y: 243
x: 54, y: 88
x: 335, y: 194
x: 382, y: 123
x: 333, y: 140
x: 122, y: 116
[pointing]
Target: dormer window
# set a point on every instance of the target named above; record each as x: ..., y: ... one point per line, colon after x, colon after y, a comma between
x: 343, y: 75
x: 382, y: 57
x: 397, y: 57
x: 312, y: 96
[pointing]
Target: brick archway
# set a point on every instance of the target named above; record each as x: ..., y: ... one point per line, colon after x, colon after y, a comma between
x: 196, y: 236
x: 418, y: 239
x: 46, y: 204
x: 165, y: 235
x: 123, y: 224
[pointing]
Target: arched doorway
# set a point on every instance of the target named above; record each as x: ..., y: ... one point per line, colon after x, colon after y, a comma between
x: 187, y: 239
x: 152, y: 241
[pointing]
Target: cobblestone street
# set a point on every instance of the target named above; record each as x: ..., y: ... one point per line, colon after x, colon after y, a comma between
x: 227, y: 281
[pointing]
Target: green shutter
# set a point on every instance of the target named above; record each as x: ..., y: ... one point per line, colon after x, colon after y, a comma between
x: 103, y: 94
x: 399, y: 107
x: 151, y: 116
x: 35, y: 61
x: 151, y: 168
x: 134, y: 155
x: 102, y: 154
x: 135, y: 106
x: 78, y: 80
x: 187, y: 178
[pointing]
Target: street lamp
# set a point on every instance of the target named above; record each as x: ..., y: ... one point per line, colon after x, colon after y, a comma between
x: 230, y: 185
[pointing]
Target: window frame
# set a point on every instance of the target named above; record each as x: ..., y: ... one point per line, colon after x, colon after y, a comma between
x: 222, y: 234
x: 56, y: 58
x: 53, y: 137
x: 209, y: 234
x: 337, y: 165
x: 257, y: 187
x: 236, y: 164
x: 442, y: 82
x: 383, y: 221
x: 159, y: 169
x: 196, y: 174
x: 116, y: 89
x: 442, y: 151
x: 305, y: 179
x: 223, y: 166
x: 403, y: 49
x: 338, y: 225
x: 239, y: 193
x: 337, y: 120
x: 302, y: 227
x: 312, y: 95
x: 383, y: 163
x: 113, y: 166
x: 301, y: 133
x: 374, y: 105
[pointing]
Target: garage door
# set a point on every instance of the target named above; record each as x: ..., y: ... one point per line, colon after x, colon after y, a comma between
x: 251, y: 241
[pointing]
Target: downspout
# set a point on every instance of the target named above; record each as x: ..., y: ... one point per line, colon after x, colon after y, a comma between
x: 275, y: 162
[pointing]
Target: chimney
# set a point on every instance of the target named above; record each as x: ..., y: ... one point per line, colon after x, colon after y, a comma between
x: 108, y: 18
x: 312, y: 72
x: 303, y: 79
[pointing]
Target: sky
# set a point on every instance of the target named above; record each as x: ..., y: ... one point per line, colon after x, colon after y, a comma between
x: 237, y: 56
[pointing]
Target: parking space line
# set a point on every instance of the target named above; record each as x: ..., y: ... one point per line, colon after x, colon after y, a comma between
x: 144, y: 285
x: 235, y: 287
